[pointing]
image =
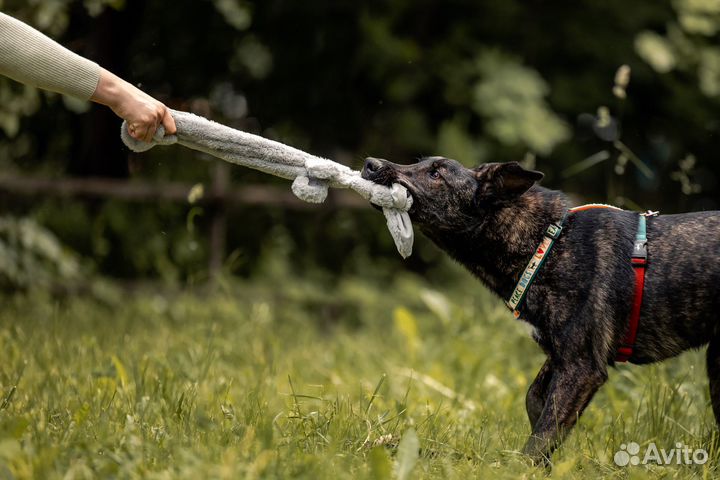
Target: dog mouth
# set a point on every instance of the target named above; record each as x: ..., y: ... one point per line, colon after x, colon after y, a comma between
x: 378, y: 171
x: 381, y: 172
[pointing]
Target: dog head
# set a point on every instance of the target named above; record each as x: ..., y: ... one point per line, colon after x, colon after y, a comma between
x: 447, y: 195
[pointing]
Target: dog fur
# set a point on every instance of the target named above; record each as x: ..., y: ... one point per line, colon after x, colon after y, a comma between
x: 491, y: 219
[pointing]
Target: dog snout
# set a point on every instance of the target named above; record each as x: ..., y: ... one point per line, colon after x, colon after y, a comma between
x: 379, y: 171
x: 372, y: 167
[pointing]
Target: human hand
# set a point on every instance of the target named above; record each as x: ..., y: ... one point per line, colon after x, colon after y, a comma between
x: 142, y: 112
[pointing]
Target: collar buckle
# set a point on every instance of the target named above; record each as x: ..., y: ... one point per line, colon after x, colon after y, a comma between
x: 640, y: 249
x: 553, y: 231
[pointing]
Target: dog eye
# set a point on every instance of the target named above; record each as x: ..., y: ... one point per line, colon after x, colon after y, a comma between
x: 434, y: 174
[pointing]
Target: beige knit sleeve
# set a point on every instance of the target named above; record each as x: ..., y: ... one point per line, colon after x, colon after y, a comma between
x: 30, y: 57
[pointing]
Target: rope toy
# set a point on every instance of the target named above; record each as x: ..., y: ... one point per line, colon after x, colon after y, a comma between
x: 311, y: 175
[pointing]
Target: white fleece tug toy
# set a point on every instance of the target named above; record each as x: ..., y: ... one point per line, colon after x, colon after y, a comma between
x: 311, y: 175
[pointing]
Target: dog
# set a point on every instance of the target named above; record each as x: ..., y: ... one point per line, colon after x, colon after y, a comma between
x: 492, y: 218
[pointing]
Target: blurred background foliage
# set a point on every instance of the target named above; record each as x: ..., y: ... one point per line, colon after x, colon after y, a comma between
x: 474, y: 80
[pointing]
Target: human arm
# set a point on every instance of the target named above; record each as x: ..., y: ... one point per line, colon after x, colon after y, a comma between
x: 30, y: 57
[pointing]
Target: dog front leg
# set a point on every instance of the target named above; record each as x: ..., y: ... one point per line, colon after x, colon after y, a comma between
x: 570, y: 390
x: 537, y: 393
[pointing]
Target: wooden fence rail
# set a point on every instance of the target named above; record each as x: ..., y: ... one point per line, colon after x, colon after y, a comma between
x: 219, y: 197
x: 141, y: 191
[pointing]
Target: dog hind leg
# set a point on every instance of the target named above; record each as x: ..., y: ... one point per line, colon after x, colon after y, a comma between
x: 713, y: 371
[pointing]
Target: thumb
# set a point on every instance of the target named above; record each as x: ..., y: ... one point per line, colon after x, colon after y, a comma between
x: 168, y: 122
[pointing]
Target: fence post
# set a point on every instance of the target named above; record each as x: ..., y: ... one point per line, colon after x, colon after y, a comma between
x: 220, y: 178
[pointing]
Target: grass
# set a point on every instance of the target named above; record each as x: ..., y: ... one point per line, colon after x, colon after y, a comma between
x: 284, y: 379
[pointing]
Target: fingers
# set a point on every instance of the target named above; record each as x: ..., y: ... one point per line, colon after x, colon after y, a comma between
x: 144, y: 127
x: 168, y: 123
x: 150, y: 133
x: 144, y: 115
x: 138, y: 131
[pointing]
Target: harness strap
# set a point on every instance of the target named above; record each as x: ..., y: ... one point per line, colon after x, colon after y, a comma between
x: 639, y: 263
x: 552, y: 233
x: 593, y: 206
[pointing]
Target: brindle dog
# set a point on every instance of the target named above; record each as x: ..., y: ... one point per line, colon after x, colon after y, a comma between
x: 491, y: 219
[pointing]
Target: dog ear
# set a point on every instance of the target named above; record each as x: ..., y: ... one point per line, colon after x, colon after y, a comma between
x: 504, y: 181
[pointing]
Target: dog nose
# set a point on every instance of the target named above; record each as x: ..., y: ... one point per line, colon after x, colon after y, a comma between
x: 372, y: 165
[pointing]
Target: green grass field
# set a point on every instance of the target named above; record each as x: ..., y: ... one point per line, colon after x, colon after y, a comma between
x: 284, y: 379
